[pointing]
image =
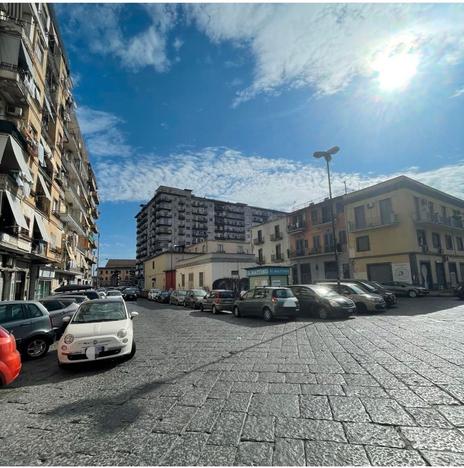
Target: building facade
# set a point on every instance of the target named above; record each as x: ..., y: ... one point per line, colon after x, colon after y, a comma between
x: 213, y: 261
x: 117, y: 272
x: 176, y: 217
x: 312, y: 246
x: 48, y: 192
x: 403, y: 230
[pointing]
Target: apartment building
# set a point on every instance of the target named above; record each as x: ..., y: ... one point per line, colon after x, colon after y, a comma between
x: 403, y: 230
x: 176, y: 217
x: 213, y: 261
x: 271, y: 243
x: 311, y: 242
x: 117, y: 272
x: 48, y: 191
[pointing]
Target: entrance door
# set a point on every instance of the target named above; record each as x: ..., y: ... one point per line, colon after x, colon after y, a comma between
x: 380, y: 272
x: 20, y: 283
x: 426, y: 279
x: 330, y: 270
x: 441, y: 279
x: 453, y: 274
x: 305, y: 273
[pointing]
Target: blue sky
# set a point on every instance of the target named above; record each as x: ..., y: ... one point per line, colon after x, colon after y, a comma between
x: 232, y: 100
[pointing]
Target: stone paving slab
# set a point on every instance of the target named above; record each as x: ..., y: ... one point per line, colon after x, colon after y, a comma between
x: 382, y: 389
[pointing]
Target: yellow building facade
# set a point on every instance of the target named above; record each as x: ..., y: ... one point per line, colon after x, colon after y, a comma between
x: 403, y: 230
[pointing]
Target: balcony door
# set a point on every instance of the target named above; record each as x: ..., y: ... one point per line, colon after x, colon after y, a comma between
x: 360, y: 217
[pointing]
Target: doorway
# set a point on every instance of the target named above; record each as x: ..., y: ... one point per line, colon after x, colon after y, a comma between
x: 441, y: 279
x: 426, y: 279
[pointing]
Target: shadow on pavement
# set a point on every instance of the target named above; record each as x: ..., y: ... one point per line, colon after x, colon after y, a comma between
x: 252, y: 322
x: 422, y: 305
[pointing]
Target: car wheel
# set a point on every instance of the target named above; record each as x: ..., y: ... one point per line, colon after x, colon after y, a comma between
x: 361, y: 308
x: 412, y: 293
x: 323, y: 313
x: 267, y: 314
x: 36, y: 348
x: 214, y: 310
x: 237, y: 312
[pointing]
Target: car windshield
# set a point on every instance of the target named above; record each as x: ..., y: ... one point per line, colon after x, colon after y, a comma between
x: 199, y: 292
x: 113, y: 293
x: 282, y: 293
x: 324, y: 291
x: 181, y: 293
x: 226, y: 294
x: 130, y: 291
x: 356, y: 289
x: 103, y: 312
x: 368, y: 287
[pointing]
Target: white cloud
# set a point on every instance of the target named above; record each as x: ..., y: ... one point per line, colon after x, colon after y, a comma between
x: 107, y: 37
x: 102, y: 133
x: 326, y: 46
x: 256, y: 180
x: 458, y: 92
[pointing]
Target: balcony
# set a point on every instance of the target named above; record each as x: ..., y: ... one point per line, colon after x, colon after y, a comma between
x: 8, y: 184
x: 277, y: 258
x: 16, y: 242
x: 298, y: 253
x: 435, y: 219
x: 376, y: 223
x: 261, y: 260
x: 296, y: 227
x: 39, y: 247
x: 258, y: 241
x: 276, y: 237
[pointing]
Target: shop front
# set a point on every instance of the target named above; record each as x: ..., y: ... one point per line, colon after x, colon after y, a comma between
x: 268, y: 276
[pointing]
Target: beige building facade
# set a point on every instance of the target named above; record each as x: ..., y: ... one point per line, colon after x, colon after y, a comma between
x: 48, y: 192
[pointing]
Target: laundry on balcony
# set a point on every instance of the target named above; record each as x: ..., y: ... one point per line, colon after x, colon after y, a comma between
x: 12, y: 157
x: 42, y: 229
x: 17, y: 211
x: 45, y: 189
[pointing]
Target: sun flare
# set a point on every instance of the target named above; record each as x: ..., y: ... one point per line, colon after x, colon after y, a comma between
x: 395, y: 72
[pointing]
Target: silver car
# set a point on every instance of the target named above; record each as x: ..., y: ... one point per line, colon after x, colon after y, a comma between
x: 267, y: 302
x: 365, y: 302
x: 58, y: 308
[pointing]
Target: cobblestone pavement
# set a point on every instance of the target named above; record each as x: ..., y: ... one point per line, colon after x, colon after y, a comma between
x: 209, y: 389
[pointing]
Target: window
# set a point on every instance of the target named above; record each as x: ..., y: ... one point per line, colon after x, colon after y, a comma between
x: 277, y: 230
x: 31, y: 311
x: 316, y: 242
x: 278, y: 251
x: 421, y: 237
x: 448, y: 242
x: 259, y: 294
x: 362, y: 244
x: 153, y: 265
x: 11, y: 313
x: 342, y: 237
x: 220, y: 247
x: 260, y: 255
x: 436, y: 240
x: 459, y: 243
x: 339, y: 207
x: 326, y: 214
x: 200, y: 279
x: 249, y: 294
x: 300, y: 246
x: 328, y: 241
x: 360, y: 217
x: 240, y: 249
x: 314, y: 216
x: 56, y: 205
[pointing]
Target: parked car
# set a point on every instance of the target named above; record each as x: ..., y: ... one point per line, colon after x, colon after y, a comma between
x: 267, y: 302
x: 101, y: 294
x: 81, y: 289
x: 194, y: 298
x: 114, y: 294
x: 78, y: 299
x: 58, y: 308
x: 405, y: 289
x: 218, y: 300
x: 365, y: 302
x: 322, y: 301
x: 152, y: 294
x: 89, y: 293
x: 99, y: 330
x: 164, y: 297
x: 459, y: 290
x: 129, y: 294
x: 30, y: 323
x: 177, y: 297
x: 10, y: 359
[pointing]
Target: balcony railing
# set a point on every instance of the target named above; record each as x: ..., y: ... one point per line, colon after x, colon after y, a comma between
x: 298, y: 253
x: 15, y: 241
x: 439, y: 220
x: 39, y: 247
x: 276, y: 236
x: 277, y: 258
x: 258, y: 241
x: 261, y: 260
x: 296, y: 227
x: 8, y: 184
x: 374, y: 223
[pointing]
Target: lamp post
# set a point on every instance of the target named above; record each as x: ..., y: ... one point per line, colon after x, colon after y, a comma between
x: 327, y: 155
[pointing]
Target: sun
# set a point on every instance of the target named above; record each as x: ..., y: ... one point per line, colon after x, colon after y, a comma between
x: 395, y: 72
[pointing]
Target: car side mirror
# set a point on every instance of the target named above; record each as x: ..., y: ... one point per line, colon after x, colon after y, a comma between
x: 134, y: 314
x: 66, y: 319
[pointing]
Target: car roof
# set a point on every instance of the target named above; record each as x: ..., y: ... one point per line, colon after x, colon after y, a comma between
x: 272, y: 287
x: 20, y: 302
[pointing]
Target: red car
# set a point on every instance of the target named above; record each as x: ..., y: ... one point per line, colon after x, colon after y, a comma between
x: 10, y: 359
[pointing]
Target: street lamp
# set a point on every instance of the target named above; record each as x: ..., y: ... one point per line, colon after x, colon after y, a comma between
x: 327, y: 155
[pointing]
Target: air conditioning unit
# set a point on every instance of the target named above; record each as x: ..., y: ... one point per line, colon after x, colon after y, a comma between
x: 14, y: 111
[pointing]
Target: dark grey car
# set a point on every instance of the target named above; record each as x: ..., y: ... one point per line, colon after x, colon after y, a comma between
x: 30, y: 323
x: 59, y: 307
x: 194, y: 298
x: 218, y: 300
x: 267, y: 302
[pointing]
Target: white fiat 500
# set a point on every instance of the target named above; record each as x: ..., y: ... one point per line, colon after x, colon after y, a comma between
x: 100, y: 329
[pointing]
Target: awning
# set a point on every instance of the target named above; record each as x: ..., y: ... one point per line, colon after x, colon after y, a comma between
x: 44, y: 186
x: 48, y: 151
x: 41, y: 154
x: 18, y: 152
x: 15, y: 206
x: 28, y: 60
x: 9, y: 48
x: 42, y: 228
x: 49, y: 108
